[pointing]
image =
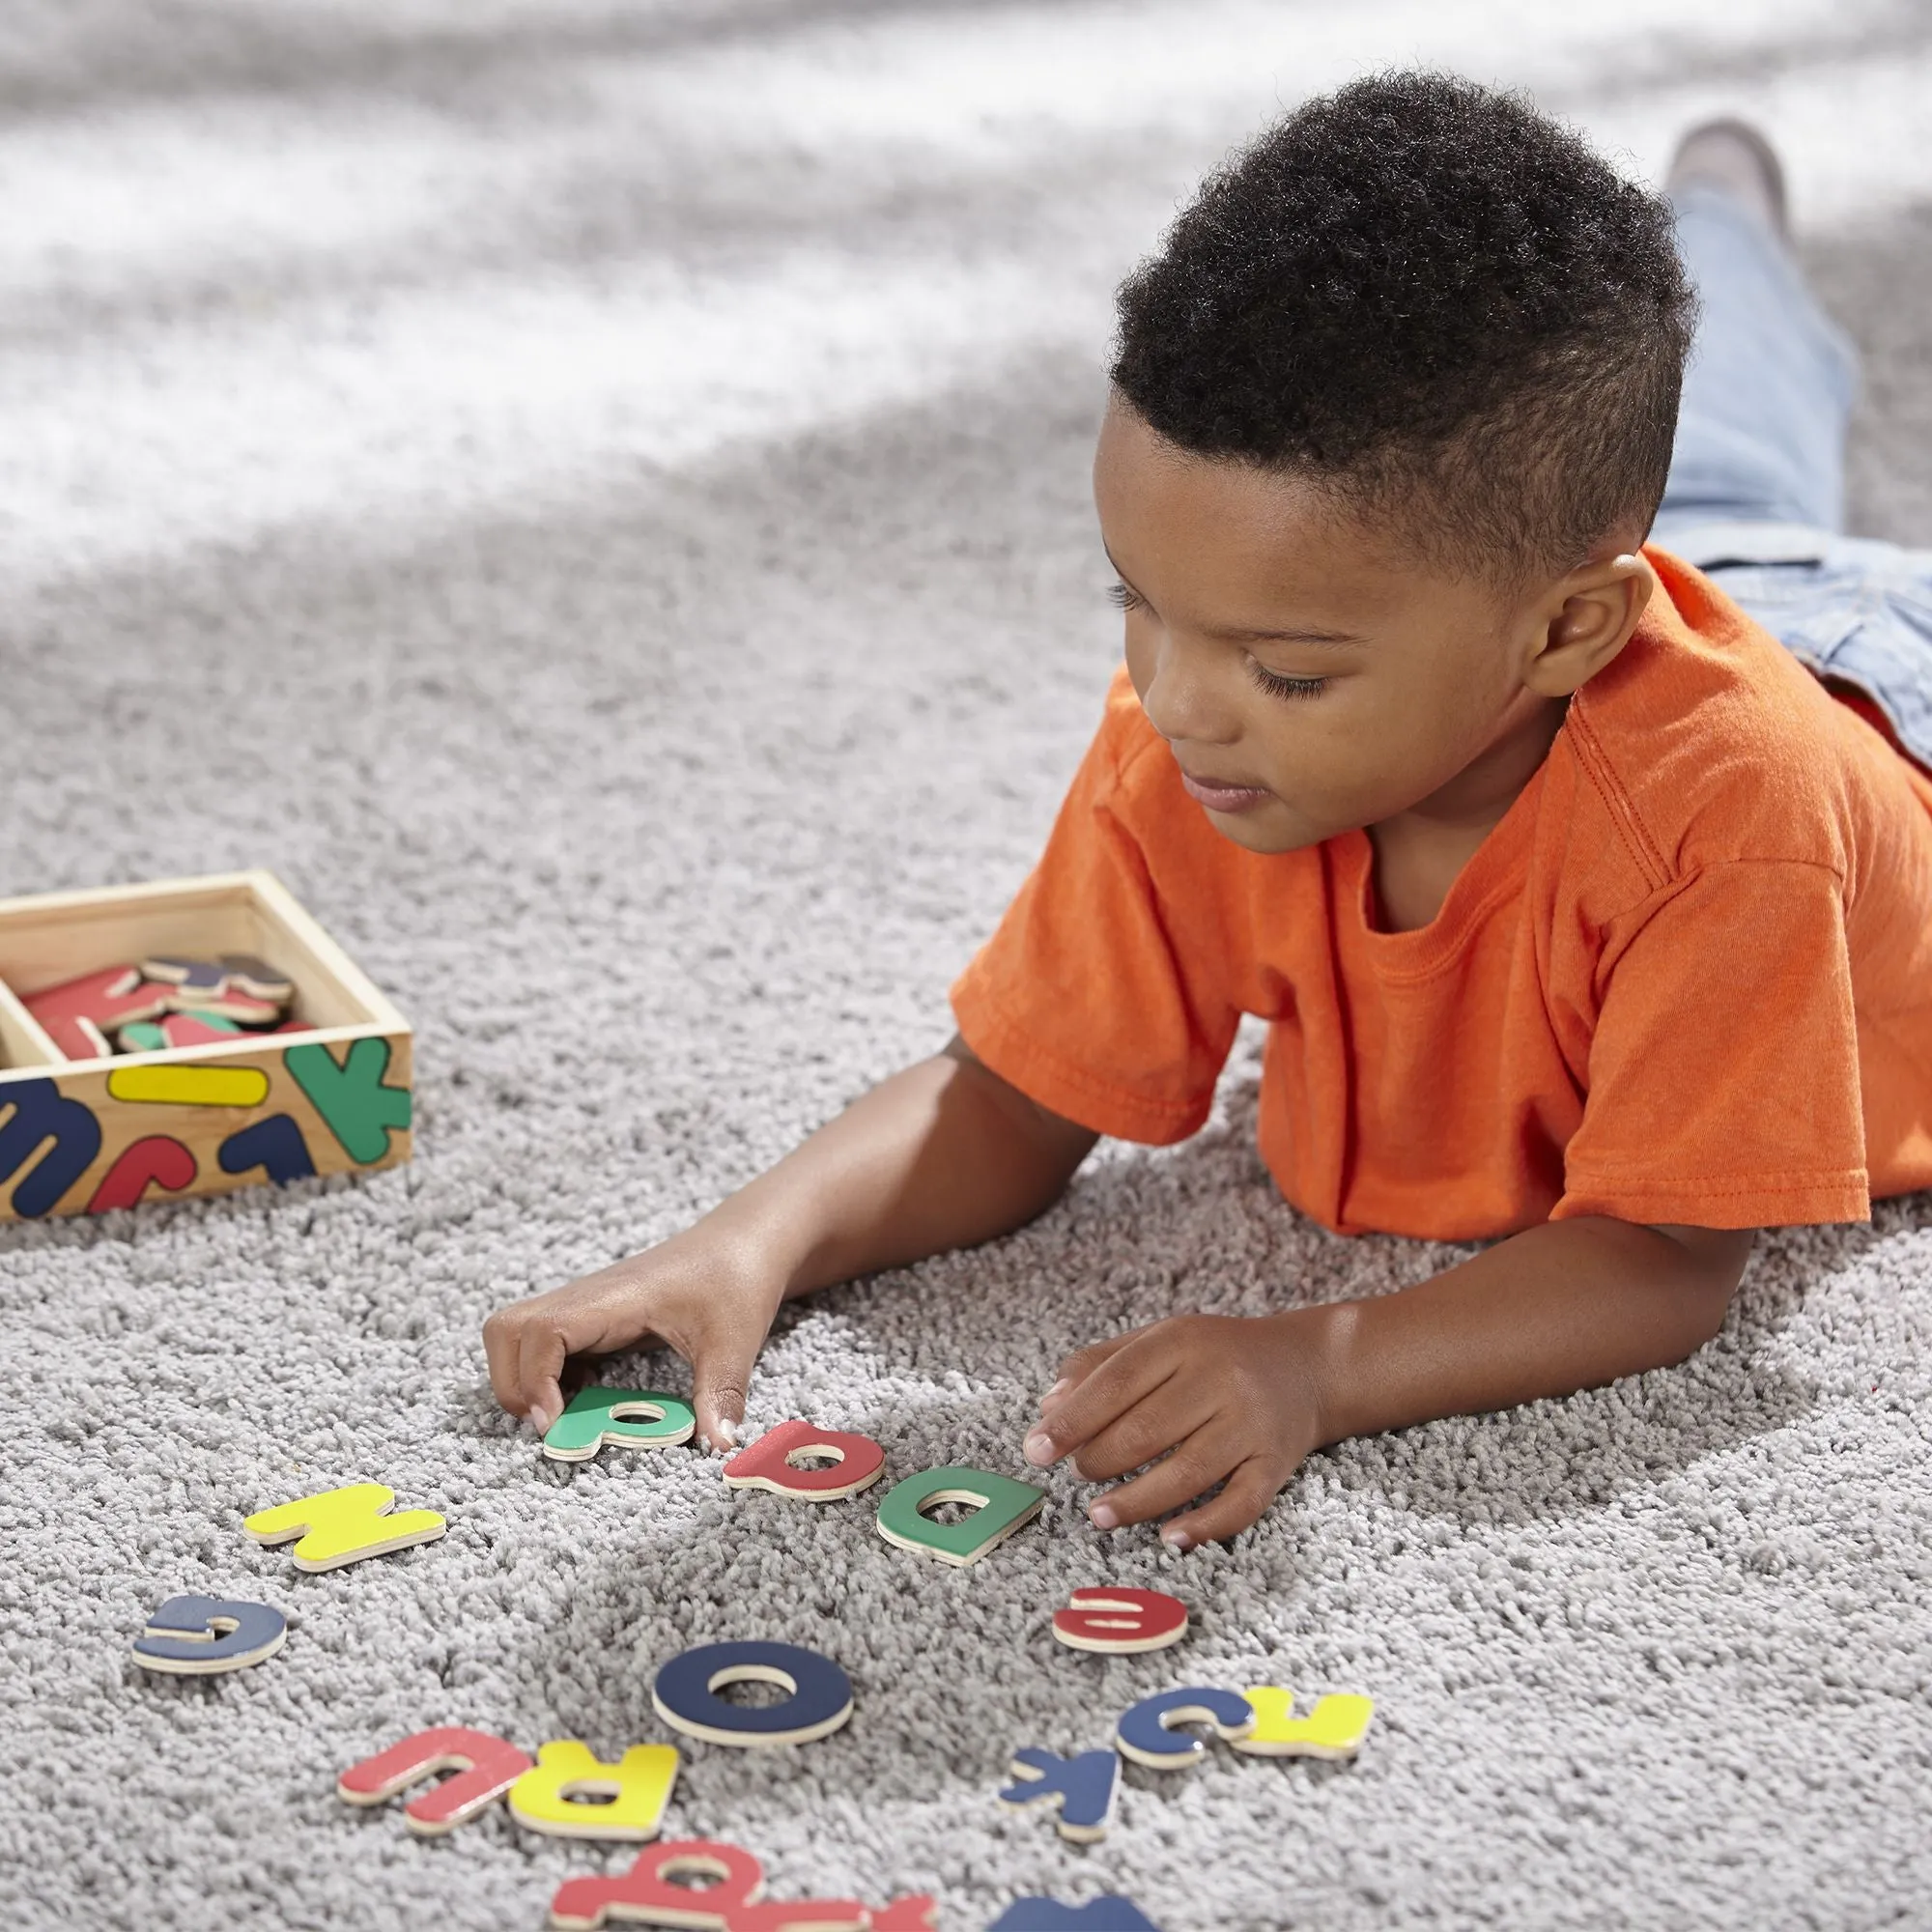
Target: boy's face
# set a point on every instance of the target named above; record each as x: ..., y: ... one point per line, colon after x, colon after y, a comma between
x: 1313, y: 676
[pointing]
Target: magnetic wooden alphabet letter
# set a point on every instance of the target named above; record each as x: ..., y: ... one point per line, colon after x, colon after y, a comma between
x: 634, y: 1419
x: 774, y: 1462
x: 486, y: 1767
x: 344, y: 1526
x: 570, y: 1794
x: 194, y: 1029
x: 1334, y: 1729
x: 818, y: 1699
x: 197, y: 976
x: 800, y: 1914
x: 916, y: 1911
x: 1000, y: 1505
x: 1121, y: 1620
x: 231, y: 1004
x: 78, y: 1014
x: 649, y: 1894
x: 199, y: 1637
x: 258, y: 978
x: 1082, y: 1788
x: 1144, y: 1733
x: 1109, y: 1912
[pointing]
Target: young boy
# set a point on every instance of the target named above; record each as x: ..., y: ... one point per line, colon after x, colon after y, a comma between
x: 1587, y: 920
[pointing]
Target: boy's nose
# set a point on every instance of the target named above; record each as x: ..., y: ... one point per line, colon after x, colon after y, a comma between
x: 1182, y: 699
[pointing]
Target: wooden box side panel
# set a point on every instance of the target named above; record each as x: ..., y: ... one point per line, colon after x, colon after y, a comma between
x: 22, y: 1044
x: 87, y: 1136
x: 303, y: 948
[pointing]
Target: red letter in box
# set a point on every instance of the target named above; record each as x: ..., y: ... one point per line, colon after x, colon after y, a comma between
x: 78, y: 1014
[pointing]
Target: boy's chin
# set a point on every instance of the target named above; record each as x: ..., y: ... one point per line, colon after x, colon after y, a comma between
x: 1268, y: 829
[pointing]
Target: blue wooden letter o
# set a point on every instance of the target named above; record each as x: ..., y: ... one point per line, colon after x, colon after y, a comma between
x: 686, y: 1693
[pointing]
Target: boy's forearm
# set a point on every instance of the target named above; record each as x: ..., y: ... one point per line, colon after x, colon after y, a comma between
x: 942, y: 1156
x: 1564, y: 1306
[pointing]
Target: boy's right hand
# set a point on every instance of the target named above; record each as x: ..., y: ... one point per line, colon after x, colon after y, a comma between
x: 694, y: 1296
x: 943, y: 1155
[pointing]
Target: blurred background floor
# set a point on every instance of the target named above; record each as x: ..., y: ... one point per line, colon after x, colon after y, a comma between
x: 528, y: 244
x: 596, y: 497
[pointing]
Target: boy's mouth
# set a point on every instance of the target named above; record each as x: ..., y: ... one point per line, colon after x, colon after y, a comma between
x: 1221, y: 795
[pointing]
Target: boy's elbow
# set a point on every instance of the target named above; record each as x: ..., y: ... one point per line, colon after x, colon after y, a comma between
x: 1063, y: 1143
x: 1713, y: 1263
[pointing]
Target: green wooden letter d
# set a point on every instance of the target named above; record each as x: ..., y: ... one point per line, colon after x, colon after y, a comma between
x: 998, y: 1504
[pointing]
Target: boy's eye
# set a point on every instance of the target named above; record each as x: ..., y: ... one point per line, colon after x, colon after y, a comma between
x: 1277, y: 686
x: 1125, y: 599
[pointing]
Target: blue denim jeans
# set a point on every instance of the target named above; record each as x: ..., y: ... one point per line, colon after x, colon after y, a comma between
x: 1756, y: 489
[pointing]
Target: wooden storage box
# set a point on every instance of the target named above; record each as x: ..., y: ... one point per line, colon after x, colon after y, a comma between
x: 77, y: 1136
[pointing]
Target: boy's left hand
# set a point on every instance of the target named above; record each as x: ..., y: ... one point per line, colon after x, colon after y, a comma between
x: 1236, y: 1400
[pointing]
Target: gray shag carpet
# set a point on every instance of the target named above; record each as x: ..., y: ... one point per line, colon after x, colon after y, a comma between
x: 594, y: 496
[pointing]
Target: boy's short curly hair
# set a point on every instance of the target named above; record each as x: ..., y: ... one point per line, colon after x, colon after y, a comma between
x: 1433, y: 302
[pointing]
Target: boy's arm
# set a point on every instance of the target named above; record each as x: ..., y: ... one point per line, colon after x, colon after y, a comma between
x: 943, y: 1155
x: 1557, y: 1308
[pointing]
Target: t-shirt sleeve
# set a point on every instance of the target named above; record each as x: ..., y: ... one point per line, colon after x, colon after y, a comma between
x: 1723, y: 1070
x: 1099, y: 995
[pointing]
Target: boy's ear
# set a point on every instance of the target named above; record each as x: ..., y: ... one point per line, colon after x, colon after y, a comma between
x: 1585, y: 620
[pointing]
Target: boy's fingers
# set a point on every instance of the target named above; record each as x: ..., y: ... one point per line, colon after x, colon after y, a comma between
x: 721, y: 1374
x: 540, y: 1359
x: 1073, y: 1419
x: 1082, y: 1363
x: 1198, y: 1464
x: 1173, y: 1413
x: 499, y: 1350
x: 1250, y: 1490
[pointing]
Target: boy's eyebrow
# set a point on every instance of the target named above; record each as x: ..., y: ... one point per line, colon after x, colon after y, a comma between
x: 1342, y: 640
x: 1339, y: 641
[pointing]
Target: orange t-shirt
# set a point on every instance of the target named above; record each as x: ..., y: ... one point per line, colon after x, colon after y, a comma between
x: 1687, y: 977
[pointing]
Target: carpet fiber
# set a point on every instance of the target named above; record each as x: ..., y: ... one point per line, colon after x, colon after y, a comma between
x: 594, y: 496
